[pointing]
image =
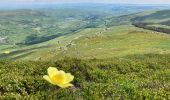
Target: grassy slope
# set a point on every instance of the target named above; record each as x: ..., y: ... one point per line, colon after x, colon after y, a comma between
x: 157, y: 21
x: 111, y: 36
x: 140, y: 76
x: 99, y: 43
x: 116, y: 41
x: 130, y: 77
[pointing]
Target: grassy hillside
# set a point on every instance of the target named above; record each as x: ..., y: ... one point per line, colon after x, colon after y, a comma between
x: 30, y: 34
x: 130, y: 77
x: 20, y: 30
x: 110, y: 54
x: 157, y: 21
x: 116, y: 41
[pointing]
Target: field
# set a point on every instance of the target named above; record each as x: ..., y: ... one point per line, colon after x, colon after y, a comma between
x: 113, y: 51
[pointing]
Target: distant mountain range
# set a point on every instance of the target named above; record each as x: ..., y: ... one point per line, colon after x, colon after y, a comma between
x: 91, y: 5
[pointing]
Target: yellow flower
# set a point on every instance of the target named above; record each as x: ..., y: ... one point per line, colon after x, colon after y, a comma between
x: 58, y: 77
x: 7, y: 52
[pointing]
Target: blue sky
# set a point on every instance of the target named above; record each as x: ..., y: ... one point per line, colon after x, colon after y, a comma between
x: 92, y: 1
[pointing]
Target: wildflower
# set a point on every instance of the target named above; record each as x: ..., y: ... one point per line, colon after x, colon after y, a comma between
x: 58, y: 77
x: 7, y: 52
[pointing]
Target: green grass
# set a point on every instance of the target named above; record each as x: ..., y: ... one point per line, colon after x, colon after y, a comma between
x: 130, y: 77
x: 16, y: 25
x: 116, y: 62
x: 119, y: 40
x: 164, y: 44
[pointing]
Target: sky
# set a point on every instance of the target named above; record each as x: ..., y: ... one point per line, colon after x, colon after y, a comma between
x: 90, y: 1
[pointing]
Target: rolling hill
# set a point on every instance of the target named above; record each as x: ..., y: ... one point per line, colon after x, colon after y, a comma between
x: 158, y: 21
x: 113, y: 51
x: 74, y: 35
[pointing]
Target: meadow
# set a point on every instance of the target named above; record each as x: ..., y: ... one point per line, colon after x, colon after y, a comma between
x: 113, y: 52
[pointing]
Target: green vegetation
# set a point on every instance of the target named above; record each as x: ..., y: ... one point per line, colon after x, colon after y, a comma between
x: 130, y: 77
x: 111, y: 55
x: 157, y: 21
x: 84, y: 34
x: 118, y: 41
x: 19, y: 24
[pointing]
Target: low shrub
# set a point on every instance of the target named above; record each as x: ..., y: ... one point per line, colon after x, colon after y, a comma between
x: 131, y: 77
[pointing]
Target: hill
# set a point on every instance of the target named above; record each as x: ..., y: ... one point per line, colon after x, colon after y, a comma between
x: 110, y: 55
x: 84, y: 34
x: 157, y: 21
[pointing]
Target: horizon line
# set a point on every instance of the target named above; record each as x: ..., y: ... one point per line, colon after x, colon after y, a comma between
x: 84, y: 3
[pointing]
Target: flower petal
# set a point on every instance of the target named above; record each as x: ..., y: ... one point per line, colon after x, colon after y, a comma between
x: 68, y: 78
x: 52, y: 71
x: 65, y: 85
x: 59, y: 77
x: 61, y: 72
x: 48, y: 79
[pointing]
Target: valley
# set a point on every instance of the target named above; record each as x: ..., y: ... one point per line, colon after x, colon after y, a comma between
x: 114, y: 51
x: 83, y: 34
